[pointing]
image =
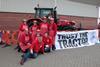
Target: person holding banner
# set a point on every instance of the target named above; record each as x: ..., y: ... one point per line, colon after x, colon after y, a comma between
x: 52, y: 32
x: 1, y: 37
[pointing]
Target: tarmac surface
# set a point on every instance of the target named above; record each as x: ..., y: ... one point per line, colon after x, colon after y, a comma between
x: 78, y: 57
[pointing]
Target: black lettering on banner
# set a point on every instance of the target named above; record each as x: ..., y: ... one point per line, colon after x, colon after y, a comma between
x: 70, y: 43
x: 75, y: 42
x: 59, y: 41
x: 64, y: 43
x: 84, y: 40
x: 79, y: 40
x: 72, y: 40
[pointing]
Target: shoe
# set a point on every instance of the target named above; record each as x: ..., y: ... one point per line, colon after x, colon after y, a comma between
x: 22, y: 56
x: 4, y: 46
x: 53, y: 47
x: 22, y: 62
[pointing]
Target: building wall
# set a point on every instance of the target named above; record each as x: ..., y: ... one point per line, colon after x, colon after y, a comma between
x: 13, y: 11
x: 11, y: 21
x: 64, y: 7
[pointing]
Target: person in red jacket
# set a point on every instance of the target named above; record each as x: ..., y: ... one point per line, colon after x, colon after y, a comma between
x: 21, y: 32
x: 34, y: 29
x: 47, y: 42
x: 7, y: 39
x: 52, y: 31
x: 25, y: 42
x: 22, y: 29
x: 23, y: 26
x: 44, y: 26
x: 36, y: 48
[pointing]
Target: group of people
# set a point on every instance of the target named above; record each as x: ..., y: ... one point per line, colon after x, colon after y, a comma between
x: 31, y: 41
x: 37, y: 39
x: 8, y: 38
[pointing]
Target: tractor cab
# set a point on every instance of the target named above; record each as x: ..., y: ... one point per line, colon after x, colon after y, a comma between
x: 41, y: 12
x: 47, y: 12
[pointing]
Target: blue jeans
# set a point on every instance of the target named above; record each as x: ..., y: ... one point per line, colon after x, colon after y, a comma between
x: 29, y: 55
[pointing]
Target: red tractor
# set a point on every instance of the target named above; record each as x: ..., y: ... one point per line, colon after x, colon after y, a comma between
x: 49, y: 12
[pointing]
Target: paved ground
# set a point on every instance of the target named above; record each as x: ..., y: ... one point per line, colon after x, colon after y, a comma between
x: 79, y: 57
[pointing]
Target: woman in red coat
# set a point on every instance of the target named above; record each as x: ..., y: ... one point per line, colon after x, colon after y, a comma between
x: 36, y: 48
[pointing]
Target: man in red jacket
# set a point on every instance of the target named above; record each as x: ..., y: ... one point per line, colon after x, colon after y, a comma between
x: 47, y: 42
x: 36, y: 48
x: 52, y: 31
x: 25, y: 42
x: 34, y: 29
x: 44, y: 26
x: 23, y: 26
x: 21, y: 33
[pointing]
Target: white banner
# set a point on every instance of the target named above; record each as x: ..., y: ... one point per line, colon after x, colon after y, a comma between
x: 67, y: 40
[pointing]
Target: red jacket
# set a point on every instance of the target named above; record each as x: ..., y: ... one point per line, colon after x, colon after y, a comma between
x: 52, y: 29
x: 21, y: 35
x: 33, y: 35
x: 34, y: 31
x: 25, y: 42
x: 48, y: 41
x: 36, y: 46
x: 23, y: 27
x: 34, y: 27
x: 44, y: 27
